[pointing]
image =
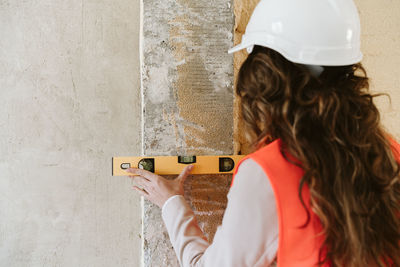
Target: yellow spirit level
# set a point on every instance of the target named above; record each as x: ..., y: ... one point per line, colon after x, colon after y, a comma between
x: 170, y: 165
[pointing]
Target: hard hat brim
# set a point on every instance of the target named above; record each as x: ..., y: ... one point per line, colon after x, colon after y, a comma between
x: 239, y: 47
x: 336, y: 56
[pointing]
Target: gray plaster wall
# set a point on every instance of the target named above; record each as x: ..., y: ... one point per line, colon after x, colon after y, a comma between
x: 70, y: 101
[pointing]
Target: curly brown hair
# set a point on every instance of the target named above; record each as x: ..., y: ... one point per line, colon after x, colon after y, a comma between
x: 330, y: 124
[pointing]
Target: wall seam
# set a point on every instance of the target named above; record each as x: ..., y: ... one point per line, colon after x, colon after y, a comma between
x: 142, y: 124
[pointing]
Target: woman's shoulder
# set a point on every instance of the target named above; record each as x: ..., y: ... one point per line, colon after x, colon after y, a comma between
x: 249, y: 165
x: 247, y: 169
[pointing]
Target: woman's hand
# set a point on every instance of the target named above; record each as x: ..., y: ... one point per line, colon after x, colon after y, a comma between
x: 156, y: 188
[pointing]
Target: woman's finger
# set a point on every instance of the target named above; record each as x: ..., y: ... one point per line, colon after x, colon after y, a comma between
x: 138, y: 177
x: 185, y: 172
x: 141, y: 172
x: 141, y: 191
x: 142, y: 181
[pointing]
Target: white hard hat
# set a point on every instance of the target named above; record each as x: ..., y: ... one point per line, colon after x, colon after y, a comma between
x: 314, y: 32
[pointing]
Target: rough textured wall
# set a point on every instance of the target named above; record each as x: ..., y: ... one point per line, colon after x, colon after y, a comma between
x: 69, y: 90
x: 242, y: 10
x: 380, y: 40
x: 187, y: 79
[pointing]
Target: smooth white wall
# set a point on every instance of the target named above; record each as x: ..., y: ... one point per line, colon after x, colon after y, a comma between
x: 380, y: 43
x: 70, y: 100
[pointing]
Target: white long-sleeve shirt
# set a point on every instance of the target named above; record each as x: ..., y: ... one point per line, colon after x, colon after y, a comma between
x: 248, y: 235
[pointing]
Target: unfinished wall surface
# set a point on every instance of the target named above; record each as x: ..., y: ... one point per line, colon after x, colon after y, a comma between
x: 187, y: 79
x: 242, y: 10
x: 380, y: 42
x: 70, y: 101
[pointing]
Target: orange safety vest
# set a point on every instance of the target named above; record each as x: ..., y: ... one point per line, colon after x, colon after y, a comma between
x: 299, y: 244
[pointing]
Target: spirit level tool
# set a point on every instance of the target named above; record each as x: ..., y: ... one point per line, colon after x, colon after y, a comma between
x: 169, y: 165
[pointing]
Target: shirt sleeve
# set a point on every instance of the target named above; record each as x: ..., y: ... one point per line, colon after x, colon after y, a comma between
x: 248, y: 235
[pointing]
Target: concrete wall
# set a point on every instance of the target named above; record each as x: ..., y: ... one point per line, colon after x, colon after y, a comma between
x: 70, y: 100
x: 380, y: 42
x: 187, y: 78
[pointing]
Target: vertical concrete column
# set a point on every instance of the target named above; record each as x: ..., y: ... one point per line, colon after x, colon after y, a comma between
x: 187, y: 81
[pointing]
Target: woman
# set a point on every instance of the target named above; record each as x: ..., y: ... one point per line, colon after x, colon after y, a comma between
x: 322, y: 187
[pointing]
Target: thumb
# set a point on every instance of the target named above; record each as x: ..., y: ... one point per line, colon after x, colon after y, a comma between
x: 184, y: 174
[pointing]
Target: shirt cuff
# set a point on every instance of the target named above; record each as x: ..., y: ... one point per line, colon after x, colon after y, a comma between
x: 167, y: 201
